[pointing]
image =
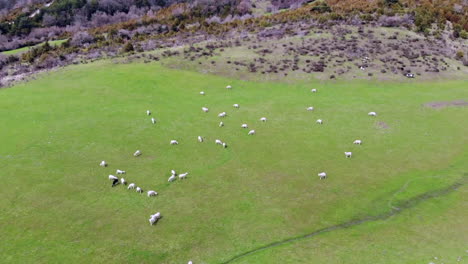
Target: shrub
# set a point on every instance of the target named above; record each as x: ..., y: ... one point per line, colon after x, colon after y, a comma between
x: 128, y: 47
x: 463, y: 34
x: 81, y: 38
x: 459, y: 54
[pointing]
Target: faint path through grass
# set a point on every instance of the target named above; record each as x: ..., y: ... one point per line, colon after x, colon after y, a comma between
x: 408, y: 204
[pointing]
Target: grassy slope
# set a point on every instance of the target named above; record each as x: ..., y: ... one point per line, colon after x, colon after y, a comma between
x: 247, y: 55
x: 24, y: 49
x: 59, y: 206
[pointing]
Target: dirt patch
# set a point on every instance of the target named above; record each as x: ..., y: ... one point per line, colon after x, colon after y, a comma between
x: 442, y: 104
x: 382, y: 125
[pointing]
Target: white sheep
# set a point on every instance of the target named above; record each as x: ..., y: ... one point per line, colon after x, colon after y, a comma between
x: 314, y: 90
x: 235, y: 105
x: 153, y: 120
x: 221, y: 124
x: 174, y: 142
x: 131, y: 186
x: 120, y: 172
x: 205, y: 109
x: 123, y: 181
x: 223, y: 114
x: 228, y: 87
x: 251, y: 132
x: 152, y: 221
x: 114, y: 180
x: 372, y: 114
x: 310, y: 108
x: 152, y: 193
x: 263, y: 119
x: 200, y: 139
x: 154, y: 218
x: 202, y: 93
x: 137, y: 153
x: 244, y: 126
x: 224, y: 145
x: 139, y: 190
x: 103, y: 163
x: 183, y: 175
x: 322, y: 175
x: 319, y: 121
x: 348, y: 154
x: 172, y: 178
x: 173, y: 172
x: 190, y: 262
x: 219, y: 142
x: 148, y: 112
x: 156, y: 215
x: 357, y: 142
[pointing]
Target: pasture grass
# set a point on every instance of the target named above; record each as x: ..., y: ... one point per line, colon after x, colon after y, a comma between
x: 58, y: 206
x: 25, y: 49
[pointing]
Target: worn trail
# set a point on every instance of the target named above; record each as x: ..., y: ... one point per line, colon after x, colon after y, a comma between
x: 394, y: 210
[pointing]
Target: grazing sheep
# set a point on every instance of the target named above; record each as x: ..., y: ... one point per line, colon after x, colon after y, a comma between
x: 114, y: 180
x: 319, y: 121
x: 153, y: 120
x: 357, y: 142
x: 223, y: 114
x: 183, y: 175
x: 314, y: 90
x: 172, y: 178
x: 174, y: 142
x: 221, y: 124
x: 251, y: 132
x: 244, y: 126
x: 148, y: 112
x: 235, y: 105
x: 310, y: 108
x: 131, y: 186
x: 120, y: 172
x: 152, y: 221
x: 348, y: 154
x: 103, y: 163
x: 152, y: 193
x: 219, y: 142
x: 205, y: 109
x: 137, y: 153
x: 123, y: 181
x: 228, y: 87
x: 202, y: 93
x: 372, y: 114
x: 190, y: 262
x: 322, y: 175
x: 263, y: 119
x: 156, y: 215
x: 139, y: 190
x: 224, y: 145
x: 154, y: 218
x: 200, y: 139
x: 173, y: 172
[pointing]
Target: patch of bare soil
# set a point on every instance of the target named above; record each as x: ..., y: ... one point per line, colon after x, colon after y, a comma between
x: 442, y: 104
x: 382, y: 125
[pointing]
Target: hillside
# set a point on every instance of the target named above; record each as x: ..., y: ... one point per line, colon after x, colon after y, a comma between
x: 363, y: 35
x: 234, y: 131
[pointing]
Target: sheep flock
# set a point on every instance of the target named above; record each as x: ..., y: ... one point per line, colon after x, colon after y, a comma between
x: 173, y: 176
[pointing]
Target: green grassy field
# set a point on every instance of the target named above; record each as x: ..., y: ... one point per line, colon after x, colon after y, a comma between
x: 24, y: 49
x: 58, y: 207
